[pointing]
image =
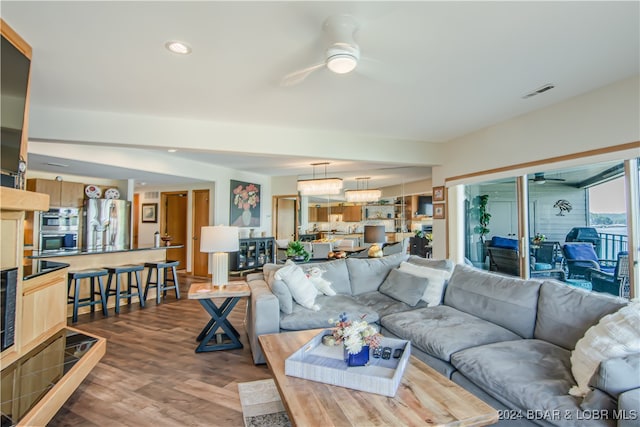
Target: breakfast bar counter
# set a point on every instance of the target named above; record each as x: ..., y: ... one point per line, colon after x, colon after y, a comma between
x: 93, y: 259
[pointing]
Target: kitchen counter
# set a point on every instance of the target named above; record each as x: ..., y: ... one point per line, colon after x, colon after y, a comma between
x: 40, y: 267
x: 40, y: 255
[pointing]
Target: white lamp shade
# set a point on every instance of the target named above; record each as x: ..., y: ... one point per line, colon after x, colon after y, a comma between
x: 219, y: 238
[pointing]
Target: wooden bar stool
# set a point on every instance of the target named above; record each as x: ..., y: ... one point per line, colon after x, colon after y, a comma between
x: 162, y: 281
x: 76, y: 277
x: 132, y: 271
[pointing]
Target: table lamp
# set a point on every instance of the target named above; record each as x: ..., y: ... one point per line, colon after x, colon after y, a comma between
x: 374, y: 234
x: 219, y: 240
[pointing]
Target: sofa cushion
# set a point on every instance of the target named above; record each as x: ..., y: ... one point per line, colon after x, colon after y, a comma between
x: 367, y: 274
x: 437, y: 278
x: 335, y: 272
x: 278, y: 288
x: 441, y: 331
x: 332, y: 307
x: 526, y: 374
x: 506, y: 301
x: 441, y: 264
x: 616, y: 335
x: 617, y: 375
x: 565, y: 312
x: 301, y: 288
x: 404, y: 287
x: 383, y: 304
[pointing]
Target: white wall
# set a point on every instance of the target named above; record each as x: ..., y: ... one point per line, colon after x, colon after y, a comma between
x: 599, y: 119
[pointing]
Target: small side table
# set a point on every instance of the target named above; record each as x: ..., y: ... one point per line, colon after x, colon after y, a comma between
x: 205, y: 293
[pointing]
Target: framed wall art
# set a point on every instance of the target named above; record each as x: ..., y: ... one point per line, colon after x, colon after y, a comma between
x: 438, y: 194
x: 438, y: 211
x: 244, y: 205
x: 150, y: 212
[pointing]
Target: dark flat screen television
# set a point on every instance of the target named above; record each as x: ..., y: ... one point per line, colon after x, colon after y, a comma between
x: 14, y: 82
x: 425, y: 206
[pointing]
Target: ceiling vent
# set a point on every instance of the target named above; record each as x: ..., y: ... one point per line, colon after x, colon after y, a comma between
x: 540, y: 90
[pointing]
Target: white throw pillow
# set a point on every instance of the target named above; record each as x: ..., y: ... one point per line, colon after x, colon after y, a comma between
x: 437, y: 279
x: 301, y: 288
x: 616, y: 335
x: 324, y: 286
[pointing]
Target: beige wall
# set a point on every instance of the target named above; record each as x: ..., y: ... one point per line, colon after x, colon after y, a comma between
x: 603, y: 118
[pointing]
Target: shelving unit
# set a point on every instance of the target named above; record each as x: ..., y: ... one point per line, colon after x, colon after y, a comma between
x: 253, y: 254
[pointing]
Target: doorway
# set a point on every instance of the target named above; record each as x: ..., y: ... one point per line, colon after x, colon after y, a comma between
x: 174, y: 222
x: 286, y: 217
x: 200, y: 209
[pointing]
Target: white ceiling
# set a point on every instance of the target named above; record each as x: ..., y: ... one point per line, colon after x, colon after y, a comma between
x: 430, y: 71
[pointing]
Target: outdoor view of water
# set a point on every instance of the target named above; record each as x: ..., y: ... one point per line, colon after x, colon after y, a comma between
x: 612, y: 229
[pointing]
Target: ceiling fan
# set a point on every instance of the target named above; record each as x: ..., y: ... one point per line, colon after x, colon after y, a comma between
x: 342, y: 54
x: 539, y: 178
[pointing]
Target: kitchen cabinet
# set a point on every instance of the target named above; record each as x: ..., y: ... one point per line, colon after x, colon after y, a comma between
x: 253, y: 253
x: 318, y: 214
x: 352, y: 214
x: 61, y: 193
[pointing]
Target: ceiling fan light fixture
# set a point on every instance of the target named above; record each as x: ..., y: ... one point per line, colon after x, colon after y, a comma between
x: 342, y: 63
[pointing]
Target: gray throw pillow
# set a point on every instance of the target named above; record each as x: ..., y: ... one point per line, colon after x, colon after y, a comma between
x: 615, y: 376
x: 404, y: 287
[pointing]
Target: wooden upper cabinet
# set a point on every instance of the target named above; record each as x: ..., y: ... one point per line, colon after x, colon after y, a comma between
x: 72, y: 194
x: 61, y: 193
x: 352, y: 214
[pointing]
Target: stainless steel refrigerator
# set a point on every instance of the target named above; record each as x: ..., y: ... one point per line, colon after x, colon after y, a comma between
x: 106, y: 224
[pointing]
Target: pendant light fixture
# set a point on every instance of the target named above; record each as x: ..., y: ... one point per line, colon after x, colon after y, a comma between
x: 319, y: 186
x: 362, y: 195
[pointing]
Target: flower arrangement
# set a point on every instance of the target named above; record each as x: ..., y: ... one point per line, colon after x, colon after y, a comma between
x: 355, y: 334
x: 539, y: 238
x: 247, y: 197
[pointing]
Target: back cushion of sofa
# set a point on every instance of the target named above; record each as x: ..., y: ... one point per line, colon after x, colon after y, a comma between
x: 441, y: 264
x: 367, y: 274
x: 565, y: 313
x: 334, y: 272
x: 506, y: 301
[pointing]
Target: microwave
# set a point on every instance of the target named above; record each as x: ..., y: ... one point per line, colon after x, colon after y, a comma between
x: 61, y: 219
x: 55, y: 242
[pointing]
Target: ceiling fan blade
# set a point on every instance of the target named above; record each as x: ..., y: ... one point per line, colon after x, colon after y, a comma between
x: 296, y: 77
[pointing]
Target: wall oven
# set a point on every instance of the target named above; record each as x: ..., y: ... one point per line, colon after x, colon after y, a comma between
x: 59, y: 230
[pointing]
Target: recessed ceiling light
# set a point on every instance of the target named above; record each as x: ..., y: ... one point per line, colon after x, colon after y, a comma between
x: 178, y: 47
x: 172, y: 150
x: 143, y: 183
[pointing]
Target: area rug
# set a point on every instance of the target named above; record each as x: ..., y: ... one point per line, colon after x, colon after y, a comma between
x: 261, y: 404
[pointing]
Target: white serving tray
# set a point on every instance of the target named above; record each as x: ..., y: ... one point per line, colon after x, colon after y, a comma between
x: 325, y: 364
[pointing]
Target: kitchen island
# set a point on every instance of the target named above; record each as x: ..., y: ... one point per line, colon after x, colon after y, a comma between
x: 84, y: 259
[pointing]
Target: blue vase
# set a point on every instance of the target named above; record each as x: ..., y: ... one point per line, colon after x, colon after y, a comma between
x: 358, y: 359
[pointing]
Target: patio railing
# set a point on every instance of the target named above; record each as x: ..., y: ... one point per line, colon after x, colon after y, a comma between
x: 612, y: 244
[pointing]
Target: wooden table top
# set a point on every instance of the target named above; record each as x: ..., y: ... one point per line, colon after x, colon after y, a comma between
x: 206, y: 290
x: 424, y: 397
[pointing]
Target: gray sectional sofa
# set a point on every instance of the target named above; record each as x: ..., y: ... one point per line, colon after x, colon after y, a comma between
x: 505, y: 339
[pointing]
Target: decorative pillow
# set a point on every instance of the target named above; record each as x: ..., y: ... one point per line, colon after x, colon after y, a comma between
x: 278, y: 288
x: 437, y: 278
x: 404, y: 287
x: 324, y: 286
x: 301, y: 288
x: 616, y: 335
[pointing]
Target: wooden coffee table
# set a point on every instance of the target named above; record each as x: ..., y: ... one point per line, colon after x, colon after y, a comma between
x: 424, y: 397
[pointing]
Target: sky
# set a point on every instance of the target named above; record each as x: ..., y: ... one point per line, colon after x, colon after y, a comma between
x: 608, y: 197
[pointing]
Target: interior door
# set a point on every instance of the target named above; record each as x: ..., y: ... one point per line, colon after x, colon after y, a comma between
x: 174, y: 223
x: 200, y: 219
x: 286, y: 223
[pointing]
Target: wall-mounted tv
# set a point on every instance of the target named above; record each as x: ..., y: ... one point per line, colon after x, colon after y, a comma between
x: 14, y: 82
x: 425, y: 206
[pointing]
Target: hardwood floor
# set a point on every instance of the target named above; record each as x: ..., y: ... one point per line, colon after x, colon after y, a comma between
x: 151, y: 376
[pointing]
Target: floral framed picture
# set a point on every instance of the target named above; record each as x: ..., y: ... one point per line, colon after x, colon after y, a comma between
x: 150, y: 212
x: 438, y: 211
x: 438, y: 194
x: 244, y: 208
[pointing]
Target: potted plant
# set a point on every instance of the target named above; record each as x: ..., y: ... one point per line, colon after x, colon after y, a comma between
x: 482, y: 228
x: 296, y: 251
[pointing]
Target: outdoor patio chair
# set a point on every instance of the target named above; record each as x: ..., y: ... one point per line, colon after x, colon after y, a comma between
x: 579, y: 257
x: 504, y: 258
x: 616, y: 283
